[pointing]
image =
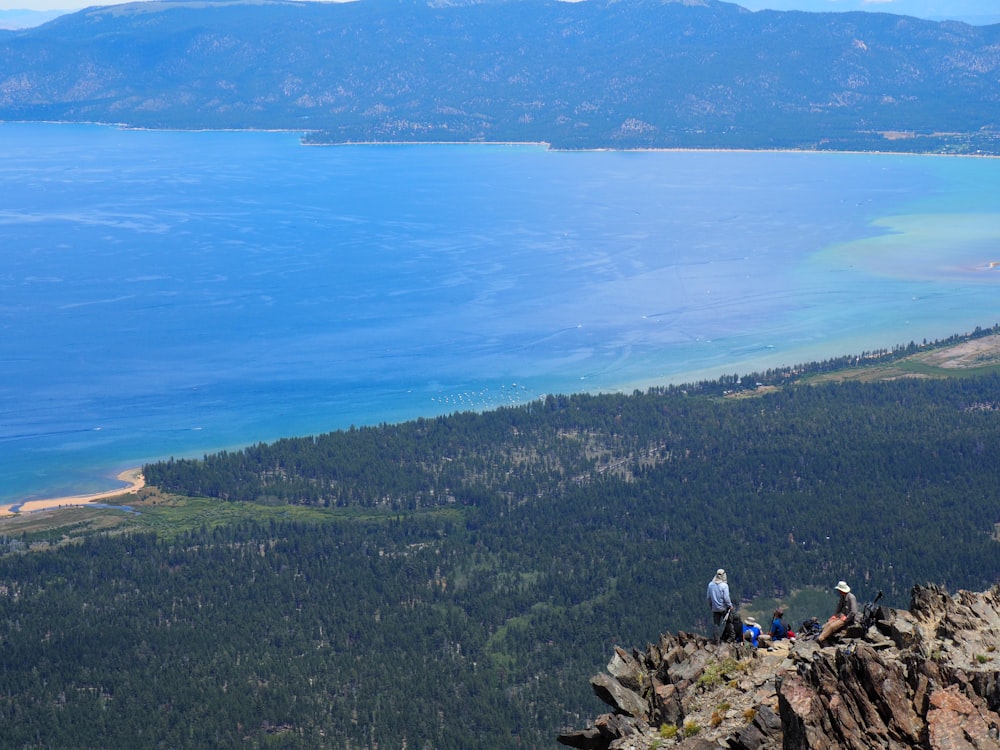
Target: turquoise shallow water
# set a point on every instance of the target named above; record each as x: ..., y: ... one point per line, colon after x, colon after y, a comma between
x: 169, y: 293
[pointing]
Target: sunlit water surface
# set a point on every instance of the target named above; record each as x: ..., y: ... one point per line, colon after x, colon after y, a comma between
x: 167, y: 294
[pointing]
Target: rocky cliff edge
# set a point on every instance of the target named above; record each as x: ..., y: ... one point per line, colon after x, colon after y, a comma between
x: 924, y: 678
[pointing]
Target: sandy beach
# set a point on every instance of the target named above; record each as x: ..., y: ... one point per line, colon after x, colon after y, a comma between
x: 132, y: 477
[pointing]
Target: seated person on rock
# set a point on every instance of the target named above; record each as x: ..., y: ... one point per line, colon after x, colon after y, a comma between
x: 846, y: 613
x: 751, y: 631
x: 780, y: 631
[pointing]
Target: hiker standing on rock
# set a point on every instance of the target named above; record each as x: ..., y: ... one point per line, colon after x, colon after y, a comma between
x: 846, y: 613
x: 721, y: 604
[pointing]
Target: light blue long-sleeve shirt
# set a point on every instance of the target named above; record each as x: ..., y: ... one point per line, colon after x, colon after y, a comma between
x: 718, y: 596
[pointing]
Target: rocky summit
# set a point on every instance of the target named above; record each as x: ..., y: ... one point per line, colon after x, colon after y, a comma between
x: 924, y: 678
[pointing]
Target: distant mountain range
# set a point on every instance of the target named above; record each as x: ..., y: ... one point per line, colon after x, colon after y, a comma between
x: 626, y: 74
x: 969, y: 11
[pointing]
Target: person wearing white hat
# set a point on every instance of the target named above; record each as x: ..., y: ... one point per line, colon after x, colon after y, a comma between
x: 845, y: 614
x: 721, y: 604
x: 751, y: 631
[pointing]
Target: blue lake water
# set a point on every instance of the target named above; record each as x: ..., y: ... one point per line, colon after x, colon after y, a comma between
x: 167, y: 294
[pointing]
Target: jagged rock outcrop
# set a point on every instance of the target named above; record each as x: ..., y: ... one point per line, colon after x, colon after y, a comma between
x: 925, y: 678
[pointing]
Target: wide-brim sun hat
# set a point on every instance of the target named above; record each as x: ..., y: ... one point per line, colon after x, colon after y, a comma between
x: 842, y: 587
x: 750, y: 621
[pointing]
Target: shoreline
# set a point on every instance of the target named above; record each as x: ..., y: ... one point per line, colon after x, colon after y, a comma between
x: 133, y: 478
x: 959, y: 355
x: 303, y: 132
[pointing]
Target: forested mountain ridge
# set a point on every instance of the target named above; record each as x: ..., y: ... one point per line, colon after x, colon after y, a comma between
x: 629, y: 74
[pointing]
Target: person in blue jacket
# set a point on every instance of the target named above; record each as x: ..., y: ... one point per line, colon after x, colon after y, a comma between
x: 751, y: 631
x: 779, y: 630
